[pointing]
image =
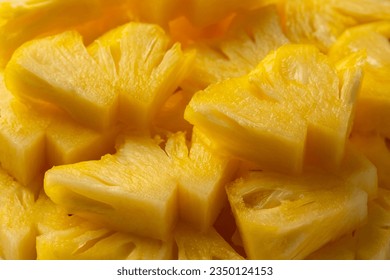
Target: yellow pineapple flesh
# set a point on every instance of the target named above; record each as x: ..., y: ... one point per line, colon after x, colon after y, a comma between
x: 17, y: 231
x: 144, y: 66
x: 374, y: 238
x: 202, y: 175
x: 285, y: 217
x: 22, y: 138
x: 250, y: 37
x: 377, y: 150
x: 195, y: 245
x: 63, y: 236
x: 57, y: 70
x: 21, y: 21
x: 374, y: 99
x: 278, y: 118
x: 120, y: 190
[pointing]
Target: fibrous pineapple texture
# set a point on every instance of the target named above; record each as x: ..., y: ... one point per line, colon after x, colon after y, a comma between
x: 194, y: 130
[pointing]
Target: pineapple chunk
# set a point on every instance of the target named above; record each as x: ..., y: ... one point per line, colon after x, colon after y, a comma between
x: 377, y: 150
x: 58, y: 70
x: 250, y: 37
x: 118, y: 190
x: 144, y: 66
x: 194, y: 245
x: 290, y: 217
x: 35, y: 137
x: 278, y: 118
x: 202, y: 176
x: 64, y: 236
x: 21, y: 21
x: 17, y: 231
x: 373, y: 104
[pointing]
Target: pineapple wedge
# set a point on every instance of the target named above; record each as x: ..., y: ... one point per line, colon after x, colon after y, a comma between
x: 62, y: 236
x: 195, y: 245
x: 250, y: 37
x: 34, y: 138
x: 278, y: 118
x: 144, y: 66
x: 202, y: 176
x: 21, y: 21
x: 118, y: 190
x: 290, y: 217
x: 373, y: 104
x: 17, y: 231
x: 58, y: 69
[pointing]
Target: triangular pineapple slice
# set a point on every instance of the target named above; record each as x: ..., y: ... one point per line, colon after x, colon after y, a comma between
x: 195, y: 245
x: 17, y: 231
x: 276, y: 117
x: 121, y: 190
x: 59, y: 70
x: 62, y: 236
x: 289, y: 217
x: 377, y: 150
x: 35, y: 137
x: 374, y: 238
x: 202, y: 175
x: 250, y: 37
x: 144, y: 66
x: 373, y: 104
x: 24, y: 20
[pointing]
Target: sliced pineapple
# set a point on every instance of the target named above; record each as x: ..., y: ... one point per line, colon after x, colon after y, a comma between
x: 290, y: 217
x: 121, y: 190
x: 202, y: 176
x: 63, y: 236
x: 144, y: 66
x: 45, y: 136
x: 250, y: 37
x: 17, y: 231
x: 195, y: 245
x: 374, y: 99
x: 21, y: 21
x: 58, y: 70
x: 277, y: 117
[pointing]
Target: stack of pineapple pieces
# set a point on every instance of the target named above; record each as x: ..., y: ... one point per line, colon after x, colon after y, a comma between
x: 198, y: 130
